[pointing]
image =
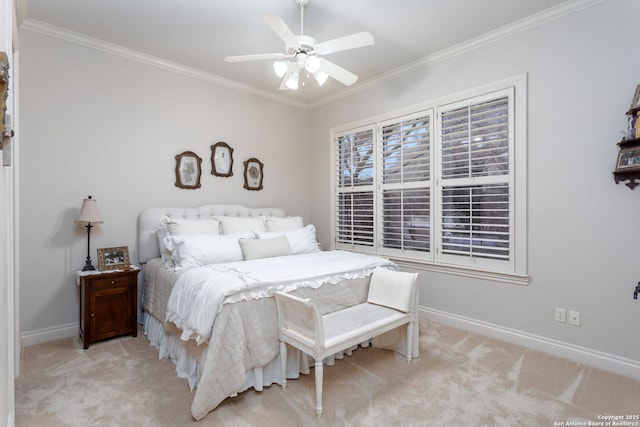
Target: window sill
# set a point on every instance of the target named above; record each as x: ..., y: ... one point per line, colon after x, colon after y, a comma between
x: 497, y: 276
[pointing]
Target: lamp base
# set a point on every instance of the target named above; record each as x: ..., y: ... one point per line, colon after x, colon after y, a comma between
x: 88, y: 266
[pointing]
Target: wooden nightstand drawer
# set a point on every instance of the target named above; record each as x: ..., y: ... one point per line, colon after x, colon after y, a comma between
x: 112, y: 282
x: 108, y: 305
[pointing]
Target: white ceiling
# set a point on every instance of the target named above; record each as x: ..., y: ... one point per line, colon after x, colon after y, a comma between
x: 198, y: 34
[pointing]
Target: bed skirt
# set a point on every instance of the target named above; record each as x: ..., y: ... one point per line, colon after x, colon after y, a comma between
x: 189, y: 357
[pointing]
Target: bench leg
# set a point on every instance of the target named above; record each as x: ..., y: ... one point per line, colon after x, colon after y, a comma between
x: 319, y: 367
x: 409, y: 341
x: 283, y: 364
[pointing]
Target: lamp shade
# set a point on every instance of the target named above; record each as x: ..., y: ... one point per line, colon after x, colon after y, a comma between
x: 89, y: 212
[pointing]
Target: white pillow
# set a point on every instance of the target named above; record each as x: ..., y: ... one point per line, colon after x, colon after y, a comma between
x: 176, y: 226
x: 265, y: 248
x: 165, y: 254
x: 234, y: 225
x: 195, y: 250
x: 282, y: 224
x: 302, y: 240
x: 392, y: 288
x: 179, y: 226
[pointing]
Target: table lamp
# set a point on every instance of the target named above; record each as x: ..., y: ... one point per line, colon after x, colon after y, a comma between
x: 89, y: 214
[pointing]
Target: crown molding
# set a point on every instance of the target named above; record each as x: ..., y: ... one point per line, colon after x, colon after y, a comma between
x: 114, y: 49
x: 21, y: 10
x: 548, y: 15
x: 524, y: 24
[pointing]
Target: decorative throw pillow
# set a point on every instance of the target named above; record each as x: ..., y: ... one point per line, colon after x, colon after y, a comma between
x: 391, y: 288
x: 265, y: 248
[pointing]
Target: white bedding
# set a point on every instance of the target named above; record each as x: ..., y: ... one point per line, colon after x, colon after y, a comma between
x: 198, y: 295
x: 229, y: 337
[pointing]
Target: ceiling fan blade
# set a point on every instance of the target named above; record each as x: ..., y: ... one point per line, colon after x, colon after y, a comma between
x: 343, y: 43
x: 257, y: 57
x: 280, y: 28
x: 345, y: 77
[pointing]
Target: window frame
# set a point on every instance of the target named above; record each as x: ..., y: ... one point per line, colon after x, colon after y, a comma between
x: 516, y: 273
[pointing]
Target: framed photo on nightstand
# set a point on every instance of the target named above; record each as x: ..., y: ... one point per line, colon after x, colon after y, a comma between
x: 114, y: 258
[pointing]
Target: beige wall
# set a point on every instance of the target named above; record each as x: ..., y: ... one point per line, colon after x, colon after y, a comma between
x: 583, y: 245
x: 107, y: 126
x: 102, y: 125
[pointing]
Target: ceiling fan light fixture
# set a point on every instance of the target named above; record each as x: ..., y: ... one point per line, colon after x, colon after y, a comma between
x: 292, y: 81
x: 312, y: 64
x: 280, y: 68
x: 302, y: 53
x: 320, y: 77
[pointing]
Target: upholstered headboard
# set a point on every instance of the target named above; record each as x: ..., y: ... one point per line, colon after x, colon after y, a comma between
x: 149, y: 219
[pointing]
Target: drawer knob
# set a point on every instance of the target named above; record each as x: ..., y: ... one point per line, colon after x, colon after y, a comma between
x: 113, y: 281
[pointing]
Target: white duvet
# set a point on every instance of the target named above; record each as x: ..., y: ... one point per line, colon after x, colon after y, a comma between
x: 199, y: 294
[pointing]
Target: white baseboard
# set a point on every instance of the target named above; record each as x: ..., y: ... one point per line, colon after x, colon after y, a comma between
x: 607, y: 362
x: 40, y: 336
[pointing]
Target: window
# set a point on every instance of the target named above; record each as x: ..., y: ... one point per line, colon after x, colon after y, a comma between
x: 355, y: 205
x: 405, y: 171
x: 437, y: 188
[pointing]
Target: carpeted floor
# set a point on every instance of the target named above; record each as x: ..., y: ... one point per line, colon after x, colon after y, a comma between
x: 461, y: 379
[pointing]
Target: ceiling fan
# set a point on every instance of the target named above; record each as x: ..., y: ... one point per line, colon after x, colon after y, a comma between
x: 302, y: 53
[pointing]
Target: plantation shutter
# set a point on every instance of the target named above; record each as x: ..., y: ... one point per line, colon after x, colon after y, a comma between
x: 476, y: 179
x: 355, y: 162
x: 405, y: 168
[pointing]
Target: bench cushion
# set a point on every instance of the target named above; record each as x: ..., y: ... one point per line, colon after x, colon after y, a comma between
x: 359, y: 322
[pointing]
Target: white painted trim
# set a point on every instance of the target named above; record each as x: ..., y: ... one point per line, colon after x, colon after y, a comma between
x: 53, y: 333
x: 114, y: 49
x: 598, y: 359
x: 524, y: 24
x: 595, y: 358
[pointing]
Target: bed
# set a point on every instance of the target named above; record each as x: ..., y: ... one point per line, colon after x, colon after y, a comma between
x: 209, y: 276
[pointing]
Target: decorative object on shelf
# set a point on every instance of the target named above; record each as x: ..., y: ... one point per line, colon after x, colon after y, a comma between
x: 635, y: 104
x: 4, y: 88
x: 188, y: 170
x: 114, y: 258
x: 89, y: 215
x: 253, y: 173
x: 221, y: 159
x: 6, y: 133
x: 628, y: 159
x: 628, y: 163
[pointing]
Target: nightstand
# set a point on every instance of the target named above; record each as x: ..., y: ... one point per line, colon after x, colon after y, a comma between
x: 108, y: 304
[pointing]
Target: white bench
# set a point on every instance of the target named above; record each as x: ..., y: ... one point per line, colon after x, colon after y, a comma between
x: 391, y: 302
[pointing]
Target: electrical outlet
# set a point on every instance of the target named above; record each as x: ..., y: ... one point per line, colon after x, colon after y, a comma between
x: 574, y: 318
x: 561, y: 315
